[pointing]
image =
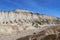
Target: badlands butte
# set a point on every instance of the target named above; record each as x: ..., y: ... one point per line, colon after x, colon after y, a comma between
x: 27, y: 25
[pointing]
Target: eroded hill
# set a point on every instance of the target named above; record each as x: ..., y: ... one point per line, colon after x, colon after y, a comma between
x: 20, y: 23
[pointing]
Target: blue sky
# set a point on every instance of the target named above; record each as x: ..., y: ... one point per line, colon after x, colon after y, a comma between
x: 49, y: 7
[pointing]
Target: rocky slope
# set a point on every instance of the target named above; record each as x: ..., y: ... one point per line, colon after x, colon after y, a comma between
x: 20, y: 23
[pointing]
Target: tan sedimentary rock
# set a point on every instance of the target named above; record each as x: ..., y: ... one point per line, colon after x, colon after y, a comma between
x: 22, y: 24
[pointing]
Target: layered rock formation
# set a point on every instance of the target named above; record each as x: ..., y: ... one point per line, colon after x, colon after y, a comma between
x: 20, y: 24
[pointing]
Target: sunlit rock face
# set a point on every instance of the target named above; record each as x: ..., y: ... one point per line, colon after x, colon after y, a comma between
x: 21, y: 23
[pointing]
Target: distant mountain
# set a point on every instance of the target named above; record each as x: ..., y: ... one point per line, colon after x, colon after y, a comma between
x: 23, y: 21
